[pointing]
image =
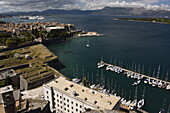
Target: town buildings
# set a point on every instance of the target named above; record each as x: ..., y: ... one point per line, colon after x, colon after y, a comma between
x: 69, y: 97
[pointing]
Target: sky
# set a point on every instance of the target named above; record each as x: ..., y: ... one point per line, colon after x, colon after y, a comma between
x: 40, y: 5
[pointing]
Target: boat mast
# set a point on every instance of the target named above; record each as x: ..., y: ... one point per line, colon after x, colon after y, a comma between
x: 139, y: 67
x: 102, y: 57
x: 135, y: 67
x: 129, y: 94
x: 164, y: 103
x: 102, y: 79
x: 98, y: 78
x: 83, y: 71
x: 76, y: 73
x: 143, y: 93
x: 121, y: 63
x: 154, y: 72
x: 162, y: 74
x: 110, y: 60
x: 115, y: 85
x: 167, y: 76
x: 122, y: 92
x: 149, y: 70
x: 132, y: 66
x: 158, y: 71
x: 92, y: 77
x: 143, y: 69
x: 168, y: 109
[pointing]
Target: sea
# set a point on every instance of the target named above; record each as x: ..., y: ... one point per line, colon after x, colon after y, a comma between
x: 140, y: 46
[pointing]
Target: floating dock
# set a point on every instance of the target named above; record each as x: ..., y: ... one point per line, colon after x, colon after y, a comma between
x: 102, y: 64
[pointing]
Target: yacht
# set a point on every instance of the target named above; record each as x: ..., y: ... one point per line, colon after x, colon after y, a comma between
x: 141, y: 103
x: 128, y: 103
x: 168, y: 87
x: 160, y: 84
x: 150, y: 81
x: 124, y: 102
x: 136, y: 82
x: 154, y: 83
x: 146, y: 81
x: 24, y: 17
x: 100, y: 64
x: 87, y: 45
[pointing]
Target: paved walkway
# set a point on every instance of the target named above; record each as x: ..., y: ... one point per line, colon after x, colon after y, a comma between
x: 36, y: 93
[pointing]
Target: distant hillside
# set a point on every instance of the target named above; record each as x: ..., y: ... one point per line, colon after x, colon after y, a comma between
x: 124, y: 11
x: 110, y: 11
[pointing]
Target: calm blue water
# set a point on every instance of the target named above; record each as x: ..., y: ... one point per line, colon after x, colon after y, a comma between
x: 138, y: 42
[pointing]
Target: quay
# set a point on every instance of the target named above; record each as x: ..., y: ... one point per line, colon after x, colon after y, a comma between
x: 142, y: 111
x: 164, y: 83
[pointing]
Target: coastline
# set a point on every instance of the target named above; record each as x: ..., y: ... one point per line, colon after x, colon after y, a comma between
x: 133, y: 20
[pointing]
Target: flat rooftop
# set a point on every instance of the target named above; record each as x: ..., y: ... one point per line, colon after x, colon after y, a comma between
x: 7, y: 73
x: 6, y: 89
x: 103, y: 101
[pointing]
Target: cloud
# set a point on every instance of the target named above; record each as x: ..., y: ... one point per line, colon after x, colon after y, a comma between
x: 39, y: 5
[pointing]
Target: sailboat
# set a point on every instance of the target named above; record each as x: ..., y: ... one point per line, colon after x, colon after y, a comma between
x: 88, y: 44
x: 142, y: 101
x: 136, y: 82
x: 75, y: 74
x: 162, y: 110
x: 168, y: 109
x: 155, y: 82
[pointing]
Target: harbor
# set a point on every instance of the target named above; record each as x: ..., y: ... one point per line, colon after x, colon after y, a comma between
x: 119, y: 47
x: 138, y: 76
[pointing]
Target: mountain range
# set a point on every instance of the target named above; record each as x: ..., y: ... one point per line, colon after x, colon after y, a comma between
x: 109, y: 11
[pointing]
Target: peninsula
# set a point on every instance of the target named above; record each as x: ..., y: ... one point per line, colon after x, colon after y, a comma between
x: 154, y: 20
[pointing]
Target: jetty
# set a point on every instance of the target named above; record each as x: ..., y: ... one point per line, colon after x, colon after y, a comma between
x: 164, y: 84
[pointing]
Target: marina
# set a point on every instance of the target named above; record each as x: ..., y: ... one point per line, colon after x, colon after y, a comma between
x: 120, y: 46
x: 138, y: 76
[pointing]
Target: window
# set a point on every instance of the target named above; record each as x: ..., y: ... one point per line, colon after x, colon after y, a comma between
x: 61, y: 102
x: 57, y: 100
x: 47, y: 97
x: 80, y: 106
x: 72, y: 107
x: 65, y: 109
x: 57, y: 95
x: 64, y: 98
x: 47, y: 92
x: 76, y: 104
x: 60, y: 96
x: 67, y: 100
x: 82, y: 90
x: 58, y: 105
x: 61, y: 107
x: 76, y: 109
x: 68, y: 110
x: 71, y: 102
x: 64, y: 103
x: 80, y: 112
x: 67, y: 105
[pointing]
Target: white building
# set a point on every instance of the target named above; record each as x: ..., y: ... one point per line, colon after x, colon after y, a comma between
x: 48, y: 29
x: 7, y: 101
x: 69, y: 97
